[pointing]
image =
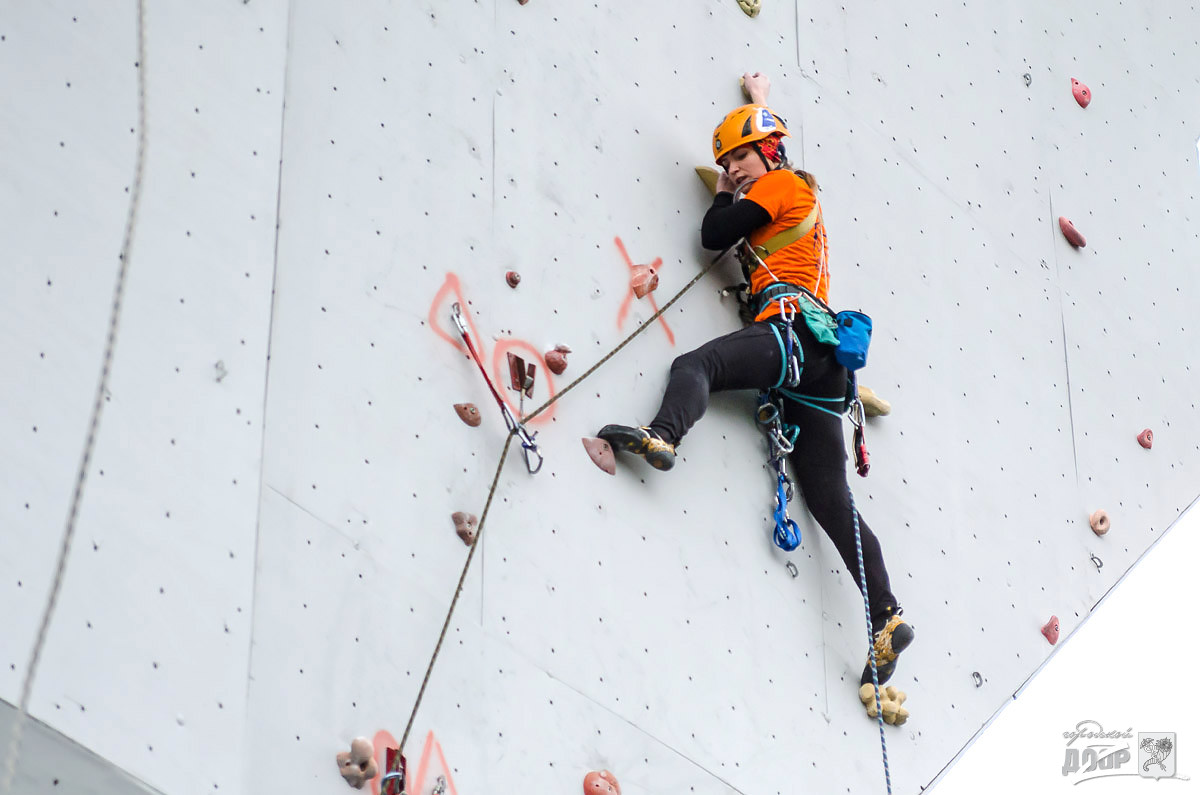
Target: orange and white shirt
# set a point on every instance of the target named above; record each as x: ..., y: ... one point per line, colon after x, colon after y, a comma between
x: 789, y: 199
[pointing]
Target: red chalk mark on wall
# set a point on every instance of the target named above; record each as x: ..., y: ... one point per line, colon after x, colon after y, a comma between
x: 629, y: 296
x: 416, y: 782
x: 439, y: 310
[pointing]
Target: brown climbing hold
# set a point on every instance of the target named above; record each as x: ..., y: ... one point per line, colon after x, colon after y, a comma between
x: 873, y: 405
x: 358, y: 765
x: 644, y: 280
x: 1051, y: 630
x: 891, y: 701
x: 465, y: 524
x: 751, y: 7
x: 601, y: 782
x: 1146, y: 438
x: 1100, y: 522
x: 513, y: 278
x: 468, y: 413
x: 1082, y: 95
x: 601, y: 453
x: 1072, y: 234
x: 556, y: 360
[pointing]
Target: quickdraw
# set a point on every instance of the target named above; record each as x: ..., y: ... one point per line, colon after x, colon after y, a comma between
x: 533, y: 458
x: 862, y: 459
x: 779, y: 443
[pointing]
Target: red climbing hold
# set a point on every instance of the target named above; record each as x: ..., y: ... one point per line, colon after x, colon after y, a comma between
x: 601, y: 453
x: 1082, y: 95
x: 1071, y: 233
x: 556, y: 360
x: 513, y: 278
x: 468, y: 413
x: 643, y: 281
x: 1051, y: 630
x: 465, y: 524
x: 1146, y: 438
x: 1100, y: 522
x: 601, y: 782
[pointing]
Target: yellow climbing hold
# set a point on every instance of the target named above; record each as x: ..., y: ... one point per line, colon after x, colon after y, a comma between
x: 890, y: 699
x: 709, y: 176
x: 873, y: 405
x: 750, y: 7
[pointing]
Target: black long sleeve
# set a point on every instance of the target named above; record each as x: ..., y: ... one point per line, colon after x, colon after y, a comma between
x: 727, y: 221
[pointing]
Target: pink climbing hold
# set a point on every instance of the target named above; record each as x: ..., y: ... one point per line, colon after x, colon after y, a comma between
x: 513, y: 278
x: 465, y: 524
x: 1082, y: 95
x: 1051, y: 630
x: 358, y: 766
x: 1072, y: 234
x: 1100, y: 522
x: 1146, y: 438
x: 601, y: 782
x: 601, y: 453
x: 468, y: 413
x: 556, y: 360
x: 643, y: 281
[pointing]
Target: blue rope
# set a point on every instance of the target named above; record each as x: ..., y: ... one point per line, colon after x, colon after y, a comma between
x: 862, y: 578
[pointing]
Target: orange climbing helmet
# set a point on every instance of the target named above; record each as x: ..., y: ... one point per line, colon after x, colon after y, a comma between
x: 745, y: 125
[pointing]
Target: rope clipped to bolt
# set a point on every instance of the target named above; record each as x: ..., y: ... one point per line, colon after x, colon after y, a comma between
x: 64, y: 550
x: 496, y: 480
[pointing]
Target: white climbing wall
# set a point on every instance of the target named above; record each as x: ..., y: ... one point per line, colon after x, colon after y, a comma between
x: 265, y: 554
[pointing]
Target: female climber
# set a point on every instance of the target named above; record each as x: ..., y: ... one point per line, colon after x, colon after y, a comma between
x: 760, y: 198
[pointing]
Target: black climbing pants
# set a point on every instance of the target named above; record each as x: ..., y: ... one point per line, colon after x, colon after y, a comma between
x: 751, y: 359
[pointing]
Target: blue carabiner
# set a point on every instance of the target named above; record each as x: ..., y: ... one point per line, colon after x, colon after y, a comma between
x: 787, y: 533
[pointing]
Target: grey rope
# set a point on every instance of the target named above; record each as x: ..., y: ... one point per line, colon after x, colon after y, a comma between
x: 14, y: 748
x: 496, y: 479
x: 862, y: 578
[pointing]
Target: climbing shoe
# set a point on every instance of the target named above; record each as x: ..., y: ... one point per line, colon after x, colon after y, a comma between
x: 640, y: 441
x: 892, y: 638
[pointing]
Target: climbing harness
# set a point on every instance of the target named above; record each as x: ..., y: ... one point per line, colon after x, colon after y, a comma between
x: 533, y: 458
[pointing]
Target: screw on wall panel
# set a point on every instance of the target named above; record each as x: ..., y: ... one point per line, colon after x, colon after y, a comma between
x: 556, y: 360
x: 1073, y: 235
x: 465, y: 524
x: 601, y: 453
x: 978, y: 678
x: 1028, y: 79
x: 1050, y: 630
x: 643, y: 281
x: 468, y: 413
x: 1146, y: 438
x: 1098, y: 563
x: 1100, y: 522
x: 513, y: 278
x: 751, y: 7
x: 1082, y: 94
x: 791, y: 567
x: 221, y: 371
x: 601, y: 782
x: 358, y: 765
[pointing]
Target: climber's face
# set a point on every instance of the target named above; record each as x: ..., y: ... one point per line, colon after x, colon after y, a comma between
x: 743, y: 164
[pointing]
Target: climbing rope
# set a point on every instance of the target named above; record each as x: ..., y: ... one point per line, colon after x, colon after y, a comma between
x: 14, y: 748
x: 496, y: 480
x: 862, y: 578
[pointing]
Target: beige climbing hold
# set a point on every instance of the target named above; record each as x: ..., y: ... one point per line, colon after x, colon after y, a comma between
x: 751, y: 7
x: 709, y: 176
x: 873, y: 405
x: 468, y: 413
x: 465, y: 524
x: 601, y: 782
x: 891, y: 700
x: 601, y: 453
x: 358, y: 765
x: 1100, y: 522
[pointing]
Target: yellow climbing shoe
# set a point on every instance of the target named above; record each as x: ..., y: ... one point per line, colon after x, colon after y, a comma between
x: 640, y: 441
x: 894, y: 637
